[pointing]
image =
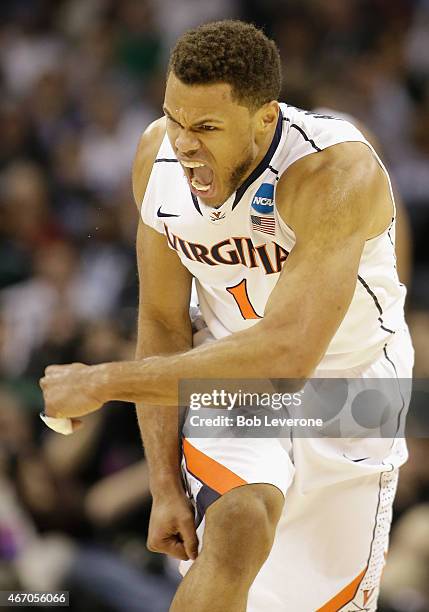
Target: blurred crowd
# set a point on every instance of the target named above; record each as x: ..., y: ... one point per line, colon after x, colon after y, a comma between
x: 80, y: 81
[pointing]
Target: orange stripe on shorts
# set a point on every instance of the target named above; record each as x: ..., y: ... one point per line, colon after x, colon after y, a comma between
x: 212, y: 473
x: 344, y: 596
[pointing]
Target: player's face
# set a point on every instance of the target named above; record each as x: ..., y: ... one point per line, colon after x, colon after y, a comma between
x: 216, y: 139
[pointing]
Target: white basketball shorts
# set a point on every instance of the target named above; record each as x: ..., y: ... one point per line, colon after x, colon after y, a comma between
x: 331, y: 541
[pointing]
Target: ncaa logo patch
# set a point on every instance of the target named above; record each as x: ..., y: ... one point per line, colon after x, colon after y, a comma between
x: 263, y: 199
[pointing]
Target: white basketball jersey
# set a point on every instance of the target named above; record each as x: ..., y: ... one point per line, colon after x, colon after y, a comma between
x: 236, y: 252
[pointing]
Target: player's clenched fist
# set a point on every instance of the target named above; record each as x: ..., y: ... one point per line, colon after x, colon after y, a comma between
x: 68, y: 392
x: 172, y: 527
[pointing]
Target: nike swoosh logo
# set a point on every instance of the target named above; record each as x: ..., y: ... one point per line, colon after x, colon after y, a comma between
x: 161, y: 214
x: 356, y: 460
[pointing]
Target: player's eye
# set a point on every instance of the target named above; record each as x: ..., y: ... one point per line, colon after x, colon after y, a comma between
x: 208, y: 128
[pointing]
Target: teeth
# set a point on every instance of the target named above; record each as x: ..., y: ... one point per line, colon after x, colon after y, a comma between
x: 191, y: 164
x: 198, y: 185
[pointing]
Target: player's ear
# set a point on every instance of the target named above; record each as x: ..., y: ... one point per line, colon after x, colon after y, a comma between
x: 268, y: 115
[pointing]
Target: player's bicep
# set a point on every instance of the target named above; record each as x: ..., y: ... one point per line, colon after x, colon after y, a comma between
x: 311, y: 298
x: 331, y: 217
x: 165, y: 283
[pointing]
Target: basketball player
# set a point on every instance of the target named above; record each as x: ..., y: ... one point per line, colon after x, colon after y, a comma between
x: 285, y: 219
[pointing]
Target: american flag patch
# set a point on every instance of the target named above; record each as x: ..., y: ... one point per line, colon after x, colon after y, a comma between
x: 267, y: 225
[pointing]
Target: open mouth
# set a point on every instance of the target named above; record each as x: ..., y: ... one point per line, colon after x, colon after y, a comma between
x: 200, y: 177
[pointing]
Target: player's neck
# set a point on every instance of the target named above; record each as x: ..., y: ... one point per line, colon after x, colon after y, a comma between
x: 263, y: 150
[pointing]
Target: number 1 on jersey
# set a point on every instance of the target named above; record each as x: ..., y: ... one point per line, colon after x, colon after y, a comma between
x: 240, y: 295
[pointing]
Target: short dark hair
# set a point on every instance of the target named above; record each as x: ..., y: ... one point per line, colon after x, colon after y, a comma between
x: 232, y: 52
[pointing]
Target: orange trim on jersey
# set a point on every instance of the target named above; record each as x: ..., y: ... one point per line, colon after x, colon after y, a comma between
x: 344, y: 596
x: 212, y: 473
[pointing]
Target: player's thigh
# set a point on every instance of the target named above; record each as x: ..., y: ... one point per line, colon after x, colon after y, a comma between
x: 235, y: 485
x: 241, y: 525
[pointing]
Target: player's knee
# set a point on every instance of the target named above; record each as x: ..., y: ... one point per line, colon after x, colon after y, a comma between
x: 240, y: 527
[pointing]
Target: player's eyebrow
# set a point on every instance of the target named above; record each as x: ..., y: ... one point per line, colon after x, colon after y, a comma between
x: 202, y: 121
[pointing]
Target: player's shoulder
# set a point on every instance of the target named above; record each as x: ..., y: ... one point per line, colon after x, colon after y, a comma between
x: 345, y: 163
x: 147, y: 149
x: 340, y: 183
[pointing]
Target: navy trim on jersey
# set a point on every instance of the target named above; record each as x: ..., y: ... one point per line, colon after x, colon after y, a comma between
x: 263, y: 164
x: 377, y: 304
x: 196, y: 204
x: 389, y: 360
x: 204, y: 498
x: 306, y: 138
x: 388, y: 233
x: 275, y: 172
x: 399, y: 387
x: 304, y: 135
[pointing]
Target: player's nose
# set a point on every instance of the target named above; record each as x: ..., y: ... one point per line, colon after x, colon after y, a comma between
x: 187, y: 143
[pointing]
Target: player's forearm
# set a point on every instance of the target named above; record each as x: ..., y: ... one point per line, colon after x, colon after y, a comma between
x: 260, y: 352
x: 158, y: 429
